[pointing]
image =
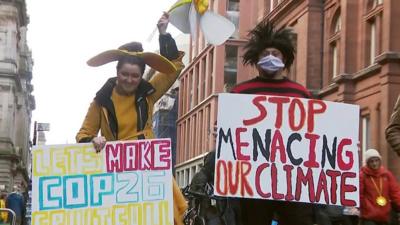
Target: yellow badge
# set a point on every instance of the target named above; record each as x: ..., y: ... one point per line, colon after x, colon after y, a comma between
x: 381, y: 201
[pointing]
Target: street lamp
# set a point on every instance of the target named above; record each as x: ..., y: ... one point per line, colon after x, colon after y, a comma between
x: 39, y: 127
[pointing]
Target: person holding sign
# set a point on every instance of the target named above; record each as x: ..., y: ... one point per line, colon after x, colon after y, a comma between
x: 271, y: 51
x: 393, y: 130
x: 122, y: 108
x: 378, y: 191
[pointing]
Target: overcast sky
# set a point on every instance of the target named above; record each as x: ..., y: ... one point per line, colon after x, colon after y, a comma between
x: 63, y: 35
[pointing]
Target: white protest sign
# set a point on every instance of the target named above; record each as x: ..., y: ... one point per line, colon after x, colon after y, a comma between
x: 288, y: 149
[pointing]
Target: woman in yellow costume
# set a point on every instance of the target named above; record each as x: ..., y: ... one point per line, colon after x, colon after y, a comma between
x: 122, y: 108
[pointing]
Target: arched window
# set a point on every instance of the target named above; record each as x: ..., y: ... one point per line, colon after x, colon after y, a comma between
x: 337, y: 25
x: 334, y: 44
x: 376, y: 3
x: 274, y: 4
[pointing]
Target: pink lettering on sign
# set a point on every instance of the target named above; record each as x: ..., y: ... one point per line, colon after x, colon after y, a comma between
x: 138, y: 155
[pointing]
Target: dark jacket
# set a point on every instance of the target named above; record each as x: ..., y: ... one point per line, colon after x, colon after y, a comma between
x: 228, y: 209
x: 16, y: 203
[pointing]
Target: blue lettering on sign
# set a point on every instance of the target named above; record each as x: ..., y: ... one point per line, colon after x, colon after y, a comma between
x: 153, y: 186
x: 102, y: 184
x: 46, y: 184
x: 79, y: 196
x: 129, y: 191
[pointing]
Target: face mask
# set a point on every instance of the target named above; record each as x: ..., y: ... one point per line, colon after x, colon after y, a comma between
x: 270, y: 63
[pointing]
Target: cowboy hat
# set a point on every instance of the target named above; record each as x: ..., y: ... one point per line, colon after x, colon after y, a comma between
x: 155, y: 61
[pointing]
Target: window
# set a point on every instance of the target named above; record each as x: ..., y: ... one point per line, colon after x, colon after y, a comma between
x: 334, y: 45
x: 191, y: 85
x: 187, y: 139
x: 185, y: 174
x: 335, y: 60
x: 208, y: 126
x: 376, y: 3
x: 365, y: 135
x: 271, y: 6
x: 187, y: 177
x: 196, y: 82
x: 210, y: 72
x: 373, y: 31
x: 203, y: 79
x: 372, y: 44
x: 192, y: 172
x: 232, y: 13
x: 1, y: 119
x: 274, y: 3
x: 3, y: 43
x: 201, y: 129
x: 182, y: 100
x: 337, y: 24
x: 230, y: 67
x: 195, y: 138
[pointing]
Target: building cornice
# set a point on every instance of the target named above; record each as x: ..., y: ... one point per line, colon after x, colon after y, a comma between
x: 332, y: 88
x: 367, y: 72
x: 22, y: 12
x: 388, y: 57
x: 350, y: 79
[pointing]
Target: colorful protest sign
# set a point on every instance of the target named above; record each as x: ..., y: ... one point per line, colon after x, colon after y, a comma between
x: 127, y: 183
x: 288, y: 149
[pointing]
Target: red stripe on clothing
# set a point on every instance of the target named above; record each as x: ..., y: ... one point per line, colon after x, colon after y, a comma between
x: 288, y: 94
x: 257, y: 84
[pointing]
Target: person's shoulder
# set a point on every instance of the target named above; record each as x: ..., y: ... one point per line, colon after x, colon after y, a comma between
x: 387, y: 173
x: 238, y: 87
x: 299, y: 87
x: 252, y: 80
x: 10, y: 196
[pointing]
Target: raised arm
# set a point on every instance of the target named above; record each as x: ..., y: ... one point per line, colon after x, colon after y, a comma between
x: 162, y: 82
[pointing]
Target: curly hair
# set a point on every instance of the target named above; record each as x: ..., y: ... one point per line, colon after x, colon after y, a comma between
x: 263, y: 36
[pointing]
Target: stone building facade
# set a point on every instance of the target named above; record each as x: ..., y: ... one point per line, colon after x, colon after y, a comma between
x: 16, y: 100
